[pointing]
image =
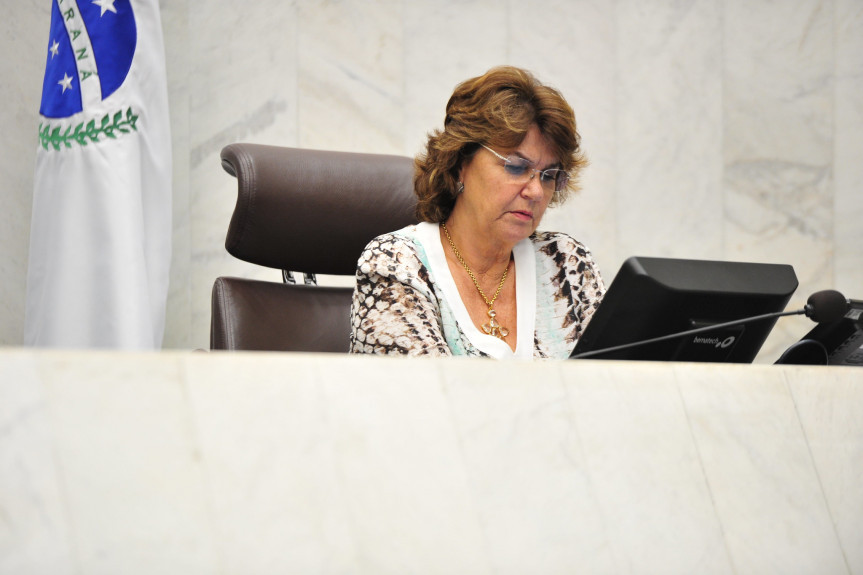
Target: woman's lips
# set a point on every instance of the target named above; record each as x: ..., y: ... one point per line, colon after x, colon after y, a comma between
x: 523, y: 215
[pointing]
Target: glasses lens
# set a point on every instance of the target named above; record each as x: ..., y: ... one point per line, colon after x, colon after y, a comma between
x: 515, y: 166
x: 554, y: 179
x: 519, y: 169
x: 549, y: 178
x: 561, y: 181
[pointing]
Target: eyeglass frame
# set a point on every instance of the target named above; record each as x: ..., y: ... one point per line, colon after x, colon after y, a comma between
x: 558, y: 186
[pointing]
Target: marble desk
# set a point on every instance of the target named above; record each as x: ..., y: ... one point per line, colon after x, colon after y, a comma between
x: 290, y: 463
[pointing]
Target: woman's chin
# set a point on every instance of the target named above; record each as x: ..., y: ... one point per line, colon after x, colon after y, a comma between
x: 516, y: 231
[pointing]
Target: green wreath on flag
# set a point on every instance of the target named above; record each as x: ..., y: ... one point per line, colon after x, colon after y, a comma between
x: 52, y: 136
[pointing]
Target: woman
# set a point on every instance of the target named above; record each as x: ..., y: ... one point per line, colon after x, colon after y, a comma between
x: 475, y: 277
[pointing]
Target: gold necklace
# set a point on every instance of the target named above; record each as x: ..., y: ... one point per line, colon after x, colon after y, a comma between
x: 492, y: 327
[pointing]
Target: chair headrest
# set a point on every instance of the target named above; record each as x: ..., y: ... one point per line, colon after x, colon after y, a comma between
x: 313, y: 210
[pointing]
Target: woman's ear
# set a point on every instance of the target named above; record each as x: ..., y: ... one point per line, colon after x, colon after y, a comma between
x: 466, y: 160
x: 464, y: 168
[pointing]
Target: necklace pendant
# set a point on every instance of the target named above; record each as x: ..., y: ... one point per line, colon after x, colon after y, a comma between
x: 493, y: 327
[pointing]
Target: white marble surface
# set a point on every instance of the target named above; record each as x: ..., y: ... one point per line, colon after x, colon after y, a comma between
x: 715, y: 128
x: 669, y: 126
x: 289, y: 463
x: 760, y: 472
x: 848, y: 146
x: 833, y: 425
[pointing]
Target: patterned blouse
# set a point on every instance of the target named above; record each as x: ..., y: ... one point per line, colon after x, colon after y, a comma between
x: 406, y: 301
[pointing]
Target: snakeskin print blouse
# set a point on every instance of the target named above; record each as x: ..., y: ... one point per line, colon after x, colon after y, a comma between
x: 406, y: 301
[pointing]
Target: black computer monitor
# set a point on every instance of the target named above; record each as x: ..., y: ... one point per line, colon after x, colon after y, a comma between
x: 652, y: 297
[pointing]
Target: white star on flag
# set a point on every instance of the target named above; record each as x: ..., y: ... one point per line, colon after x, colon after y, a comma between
x: 105, y: 5
x: 55, y: 47
x: 66, y: 82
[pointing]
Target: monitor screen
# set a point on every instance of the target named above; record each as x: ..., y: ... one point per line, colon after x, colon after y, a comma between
x: 653, y: 297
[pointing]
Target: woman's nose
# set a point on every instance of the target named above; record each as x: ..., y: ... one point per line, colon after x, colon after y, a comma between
x: 533, y: 187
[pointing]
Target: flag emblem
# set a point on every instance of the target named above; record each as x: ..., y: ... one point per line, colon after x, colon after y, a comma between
x: 91, y: 46
x: 100, y: 235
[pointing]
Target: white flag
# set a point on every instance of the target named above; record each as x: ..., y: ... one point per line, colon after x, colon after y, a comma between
x: 100, y: 238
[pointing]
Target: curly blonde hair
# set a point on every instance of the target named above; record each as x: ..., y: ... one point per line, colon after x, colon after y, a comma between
x: 496, y: 109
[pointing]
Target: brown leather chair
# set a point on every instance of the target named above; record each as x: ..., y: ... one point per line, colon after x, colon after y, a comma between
x: 307, y: 211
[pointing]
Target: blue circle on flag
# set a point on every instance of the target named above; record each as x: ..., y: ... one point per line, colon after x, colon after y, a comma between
x: 113, y: 35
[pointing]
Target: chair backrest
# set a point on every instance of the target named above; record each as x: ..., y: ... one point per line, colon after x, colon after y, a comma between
x: 309, y: 211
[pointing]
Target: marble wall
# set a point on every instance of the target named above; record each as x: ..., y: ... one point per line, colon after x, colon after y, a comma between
x: 204, y: 463
x: 720, y: 129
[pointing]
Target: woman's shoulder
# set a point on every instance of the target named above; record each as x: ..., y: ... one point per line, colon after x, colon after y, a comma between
x: 559, y: 243
x: 393, y: 242
x: 391, y: 253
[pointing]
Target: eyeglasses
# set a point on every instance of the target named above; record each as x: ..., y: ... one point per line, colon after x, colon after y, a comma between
x: 521, y: 171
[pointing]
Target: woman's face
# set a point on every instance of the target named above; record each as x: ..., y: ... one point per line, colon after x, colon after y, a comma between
x: 494, y: 205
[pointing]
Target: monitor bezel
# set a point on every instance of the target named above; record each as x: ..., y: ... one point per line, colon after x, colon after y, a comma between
x: 653, y: 296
